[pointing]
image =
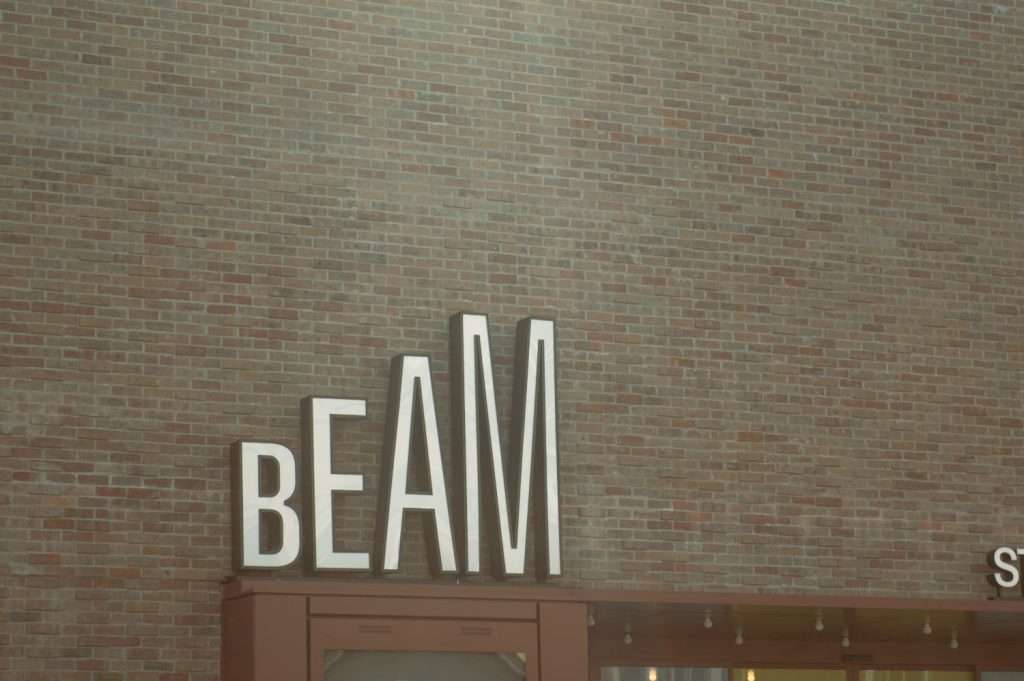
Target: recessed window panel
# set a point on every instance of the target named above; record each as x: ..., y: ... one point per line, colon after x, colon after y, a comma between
x: 664, y: 674
x: 377, y: 665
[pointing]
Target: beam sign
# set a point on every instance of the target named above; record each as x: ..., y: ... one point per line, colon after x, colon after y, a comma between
x: 267, y: 528
x: 475, y: 428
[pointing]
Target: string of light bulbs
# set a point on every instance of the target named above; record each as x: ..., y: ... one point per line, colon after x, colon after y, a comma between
x: 819, y: 625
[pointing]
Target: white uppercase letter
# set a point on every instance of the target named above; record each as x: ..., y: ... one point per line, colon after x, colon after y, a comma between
x: 249, y: 507
x: 322, y: 483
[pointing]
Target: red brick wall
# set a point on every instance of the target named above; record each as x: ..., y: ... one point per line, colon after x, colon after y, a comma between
x: 782, y: 241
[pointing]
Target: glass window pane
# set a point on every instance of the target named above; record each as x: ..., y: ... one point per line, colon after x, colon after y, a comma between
x: 377, y: 665
x: 764, y: 674
x: 914, y: 675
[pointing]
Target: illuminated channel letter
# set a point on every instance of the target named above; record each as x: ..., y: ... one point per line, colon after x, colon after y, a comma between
x: 1007, y: 572
x: 535, y: 428
x: 249, y: 508
x: 322, y: 483
x: 411, y: 401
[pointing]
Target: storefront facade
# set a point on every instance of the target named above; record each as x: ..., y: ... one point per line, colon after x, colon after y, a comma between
x: 305, y: 629
x: 293, y: 292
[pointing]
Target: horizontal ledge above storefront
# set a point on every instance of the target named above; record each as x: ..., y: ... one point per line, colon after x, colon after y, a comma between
x: 234, y: 587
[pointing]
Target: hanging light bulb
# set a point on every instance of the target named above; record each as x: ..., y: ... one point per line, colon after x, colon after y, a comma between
x: 628, y: 636
x: 954, y: 643
x: 708, y: 623
x: 590, y: 616
x: 927, y: 628
x: 846, y: 638
x: 819, y: 623
x: 751, y: 676
x: 739, y: 636
x: 652, y: 674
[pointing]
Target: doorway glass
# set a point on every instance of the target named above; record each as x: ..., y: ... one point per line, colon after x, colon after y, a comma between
x: 379, y: 665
